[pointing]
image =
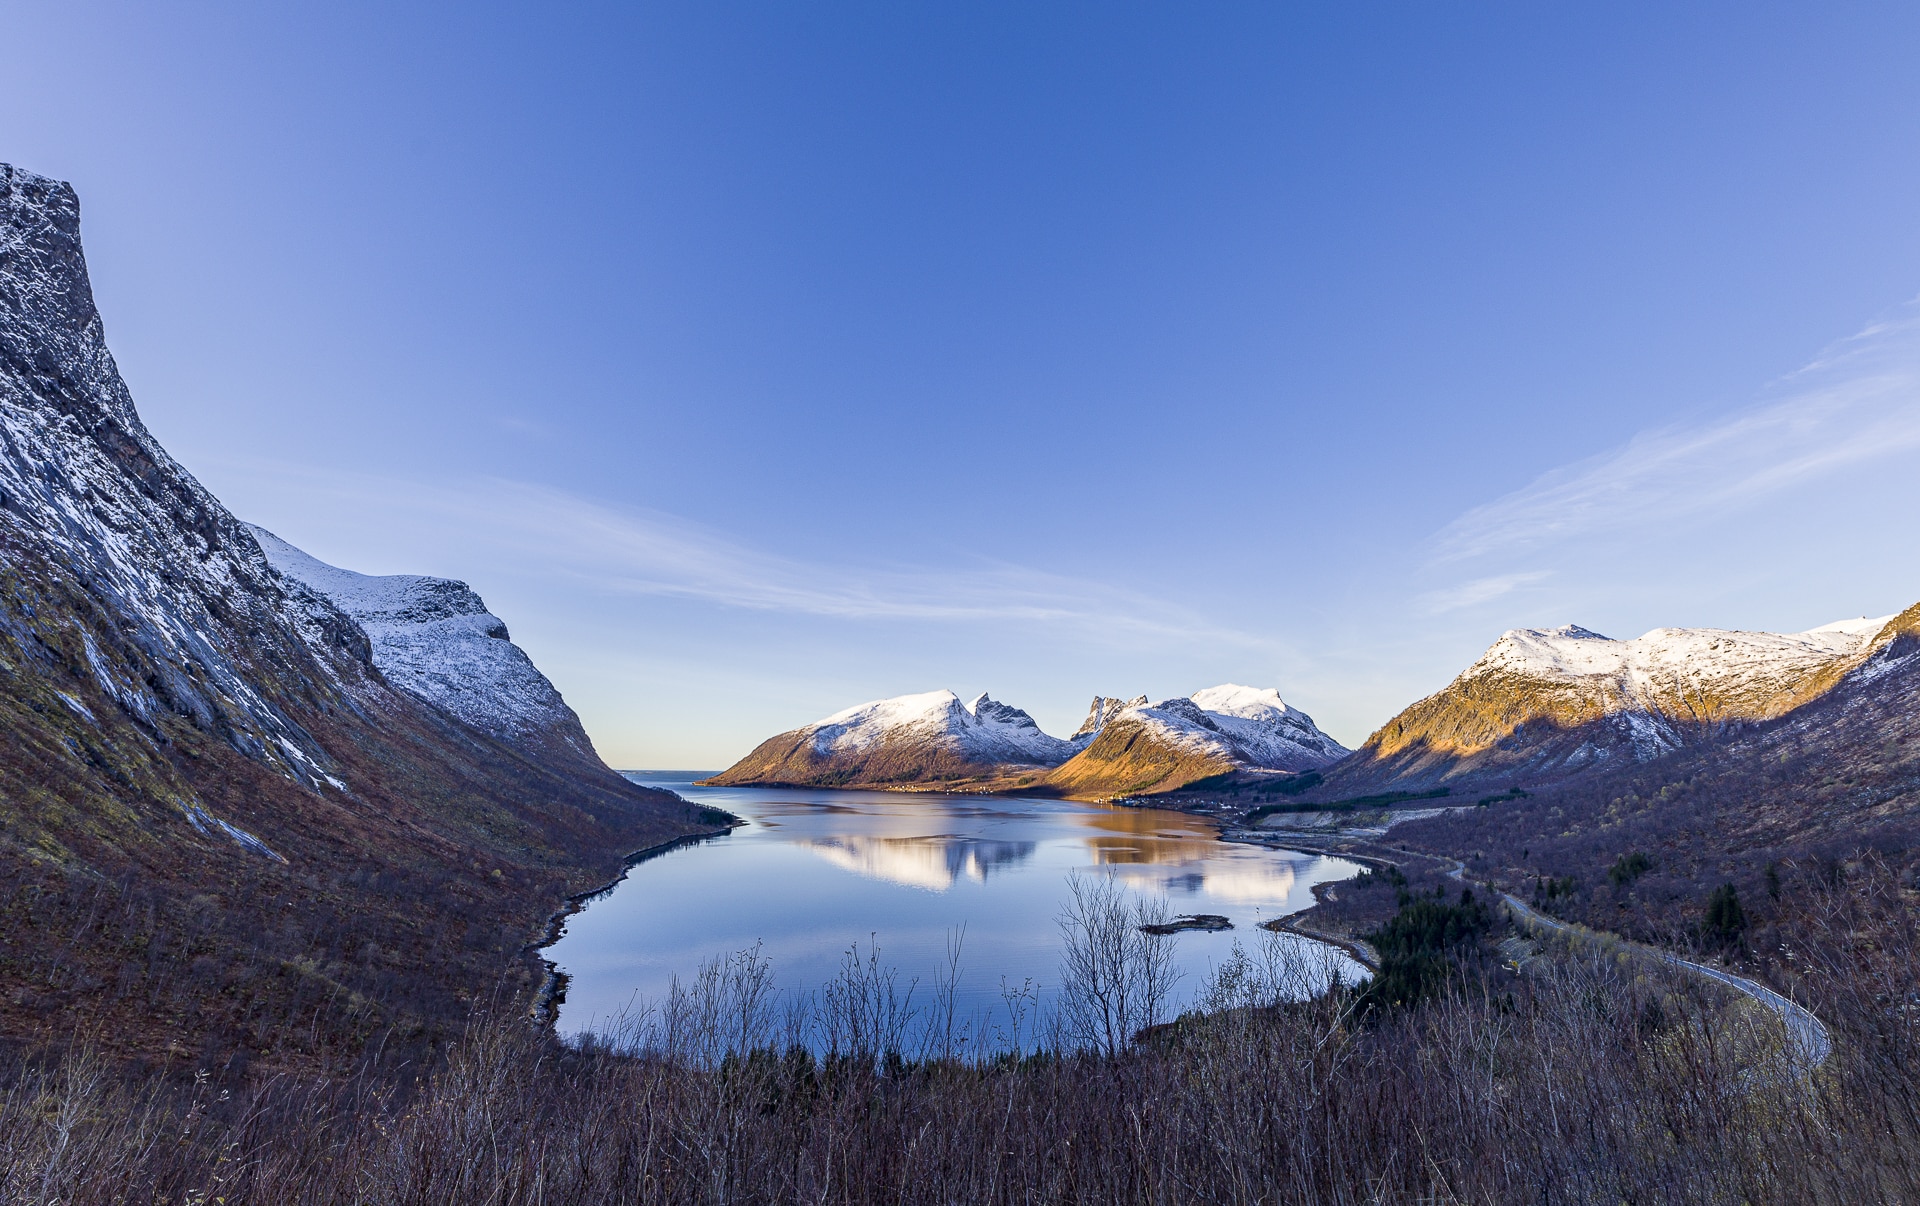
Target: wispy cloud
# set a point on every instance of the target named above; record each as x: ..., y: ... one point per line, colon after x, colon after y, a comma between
x: 619, y: 550
x: 1859, y: 401
x: 1480, y: 590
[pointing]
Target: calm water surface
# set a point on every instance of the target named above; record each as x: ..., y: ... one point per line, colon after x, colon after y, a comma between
x: 813, y: 872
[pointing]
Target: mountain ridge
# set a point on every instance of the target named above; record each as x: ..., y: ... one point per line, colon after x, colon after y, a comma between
x: 1544, y: 704
x: 933, y: 741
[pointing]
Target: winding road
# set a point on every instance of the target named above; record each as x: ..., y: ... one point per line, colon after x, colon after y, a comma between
x: 1807, y: 1033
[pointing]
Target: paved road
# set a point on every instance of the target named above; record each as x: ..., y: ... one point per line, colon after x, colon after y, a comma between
x: 1808, y: 1034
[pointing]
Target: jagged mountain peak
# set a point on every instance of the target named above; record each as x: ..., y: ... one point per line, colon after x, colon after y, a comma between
x: 1135, y: 747
x: 1103, y: 709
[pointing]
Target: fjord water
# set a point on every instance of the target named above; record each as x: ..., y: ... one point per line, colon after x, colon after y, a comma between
x: 813, y: 872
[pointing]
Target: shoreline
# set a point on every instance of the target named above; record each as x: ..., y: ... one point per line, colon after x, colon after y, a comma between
x: 544, y: 1009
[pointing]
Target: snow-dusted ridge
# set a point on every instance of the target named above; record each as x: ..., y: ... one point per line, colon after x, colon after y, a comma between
x: 1269, y: 732
x: 434, y: 638
x: 1542, y: 704
x: 1694, y: 671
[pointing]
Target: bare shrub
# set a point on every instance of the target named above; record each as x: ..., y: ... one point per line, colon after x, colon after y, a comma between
x: 1116, y: 978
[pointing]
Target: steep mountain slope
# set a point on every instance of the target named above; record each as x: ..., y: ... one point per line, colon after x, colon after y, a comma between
x: 923, y: 740
x: 434, y: 638
x: 222, y: 829
x: 1143, y: 749
x: 1542, y: 705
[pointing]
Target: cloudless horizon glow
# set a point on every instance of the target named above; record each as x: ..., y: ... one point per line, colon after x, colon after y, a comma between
x: 759, y: 360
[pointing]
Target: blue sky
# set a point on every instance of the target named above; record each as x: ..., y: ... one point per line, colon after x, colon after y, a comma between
x: 756, y: 360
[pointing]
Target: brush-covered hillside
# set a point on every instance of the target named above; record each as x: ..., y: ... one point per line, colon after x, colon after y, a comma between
x: 231, y: 825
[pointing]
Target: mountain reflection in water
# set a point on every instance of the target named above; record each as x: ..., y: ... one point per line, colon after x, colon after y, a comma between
x: 813, y: 872
x: 921, y: 862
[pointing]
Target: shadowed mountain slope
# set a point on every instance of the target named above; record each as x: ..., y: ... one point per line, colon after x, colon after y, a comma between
x: 226, y: 834
x: 434, y: 638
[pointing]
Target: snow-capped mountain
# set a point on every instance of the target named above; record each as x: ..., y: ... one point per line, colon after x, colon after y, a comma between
x: 1545, y: 703
x: 175, y: 714
x: 434, y: 638
x: 1125, y: 746
x: 932, y: 737
x: 1142, y: 748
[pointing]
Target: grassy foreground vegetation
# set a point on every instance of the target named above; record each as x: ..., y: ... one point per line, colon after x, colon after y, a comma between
x: 1583, y: 1080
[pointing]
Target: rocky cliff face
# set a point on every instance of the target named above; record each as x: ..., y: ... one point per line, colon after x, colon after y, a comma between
x: 93, y: 501
x: 1542, y: 705
x: 202, y: 757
